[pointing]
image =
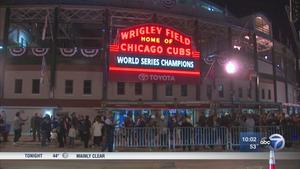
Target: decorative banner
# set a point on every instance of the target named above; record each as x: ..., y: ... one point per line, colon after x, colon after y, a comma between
x: 39, y: 51
x: 68, y: 52
x: 153, y: 53
x: 17, y: 51
x: 210, y: 59
x: 89, y: 53
x: 168, y: 3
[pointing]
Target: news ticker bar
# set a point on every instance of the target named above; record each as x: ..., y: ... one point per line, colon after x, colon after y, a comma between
x: 146, y: 156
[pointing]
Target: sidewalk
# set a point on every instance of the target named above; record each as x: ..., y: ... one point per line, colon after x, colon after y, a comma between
x: 26, y: 144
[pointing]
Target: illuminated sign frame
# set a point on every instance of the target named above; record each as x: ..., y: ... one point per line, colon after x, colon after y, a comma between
x: 154, y: 52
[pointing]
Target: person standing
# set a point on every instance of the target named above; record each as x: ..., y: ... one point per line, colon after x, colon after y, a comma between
x: 163, y: 130
x: 61, y: 132
x: 97, y: 131
x: 35, y: 124
x: 45, y: 129
x: 2, y: 126
x: 187, y: 134
x: 6, y: 126
x: 80, y: 127
x: 72, y: 135
x: 86, y: 131
x: 250, y: 123
x: 74, y: 121
x: 110, y: 129
x: 17, y: 124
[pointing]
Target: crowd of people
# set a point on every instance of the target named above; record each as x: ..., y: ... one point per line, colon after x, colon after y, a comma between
x: 216, y: 120
x: 64, y: 129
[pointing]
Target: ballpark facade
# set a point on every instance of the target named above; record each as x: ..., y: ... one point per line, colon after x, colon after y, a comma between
x: 67, y: 56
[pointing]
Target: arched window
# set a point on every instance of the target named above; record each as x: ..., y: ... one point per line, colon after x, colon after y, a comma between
x: 262, y: 25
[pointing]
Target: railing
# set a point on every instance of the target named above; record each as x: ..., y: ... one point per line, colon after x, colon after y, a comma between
x: 142, y: 137
x: 228, y: 138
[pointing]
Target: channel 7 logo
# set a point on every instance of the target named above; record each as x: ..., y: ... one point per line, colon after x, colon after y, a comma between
x: 274, y: 142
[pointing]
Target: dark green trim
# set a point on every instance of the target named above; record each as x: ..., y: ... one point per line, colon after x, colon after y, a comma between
x: 53, y: 59
x: 4, y: 50
x: 196, y: 37
x: 274, y: 74
x: 255, y: 67
x: 106, y: 43
x: 285, y: 81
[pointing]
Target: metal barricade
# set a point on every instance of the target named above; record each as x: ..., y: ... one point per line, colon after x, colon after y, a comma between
x: 142, y: 137
x: 200, y: 136
x: 229, y: 138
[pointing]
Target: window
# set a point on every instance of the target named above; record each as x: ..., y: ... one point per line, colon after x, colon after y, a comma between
x: 87, y: 87
x: 263, y: 93
x: 184, y: 90
x: 35, y: 86
x: 121, y: 88
x: 169, y: 90
x: 138, y: 88
x: 209, y: 91
x: 221, y: 90
x: 18, y: 86
x: 262, y: 25
x: 69, y: 87
x: 269, y: 94
x: 240, y: 92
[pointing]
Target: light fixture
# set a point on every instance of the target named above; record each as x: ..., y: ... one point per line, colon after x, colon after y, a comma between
x: 231, y: 67
x: 1, y: 47
x: 48, y: 112
x: 266, y: 57
x: 237, y: 47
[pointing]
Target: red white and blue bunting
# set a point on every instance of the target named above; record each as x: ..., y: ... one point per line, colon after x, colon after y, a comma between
x: 17, y: 51
x: 89, y: 53
x: 39, y: 51
x: 209, y: 59
x: 68, y: 52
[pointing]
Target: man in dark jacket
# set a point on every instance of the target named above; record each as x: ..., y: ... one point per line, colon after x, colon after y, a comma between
x: 86, y: 131
x: 110, y: 129
x: 35, y: 126
x: 2, y: 126
x: 187, y: 133
x: 61, y: 131
x: 45, y: 129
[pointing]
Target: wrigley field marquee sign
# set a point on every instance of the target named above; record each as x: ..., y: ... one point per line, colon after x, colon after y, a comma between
x: 153, y: 53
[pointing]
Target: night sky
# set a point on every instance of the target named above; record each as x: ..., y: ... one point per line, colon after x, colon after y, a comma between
x: 273, y: 9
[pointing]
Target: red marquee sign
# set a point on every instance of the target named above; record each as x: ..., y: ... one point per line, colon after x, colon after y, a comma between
x: 153, y: 53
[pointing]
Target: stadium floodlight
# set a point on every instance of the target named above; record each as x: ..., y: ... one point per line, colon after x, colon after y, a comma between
x: 231, y: 67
